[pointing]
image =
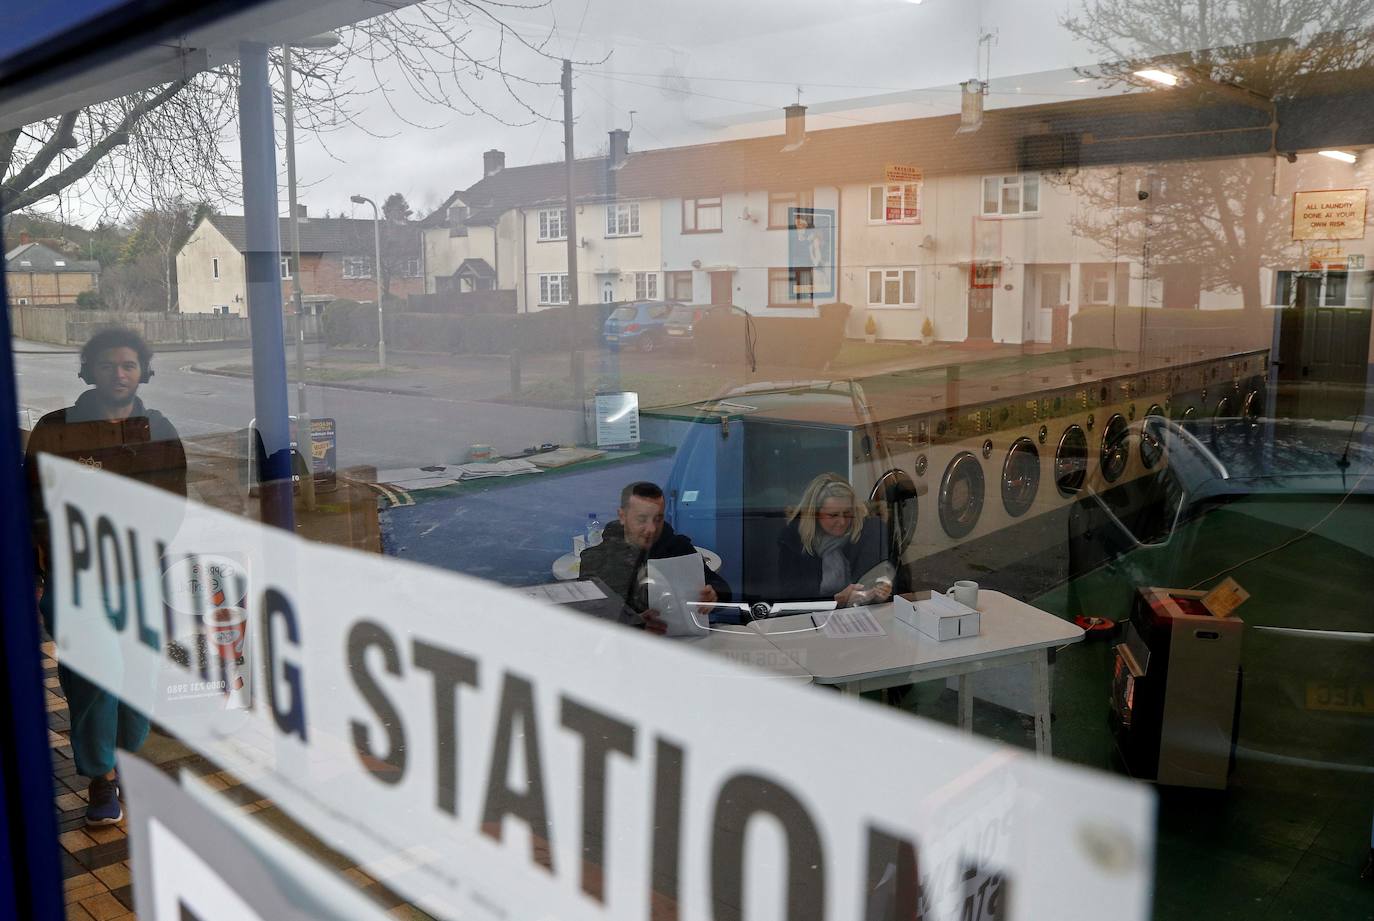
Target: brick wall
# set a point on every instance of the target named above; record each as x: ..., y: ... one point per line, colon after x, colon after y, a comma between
x: 324, y: 275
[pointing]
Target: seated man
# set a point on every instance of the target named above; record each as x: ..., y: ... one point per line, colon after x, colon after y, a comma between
x: 628, y: 544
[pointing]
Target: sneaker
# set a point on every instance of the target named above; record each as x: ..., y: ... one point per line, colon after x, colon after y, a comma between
x: 103, y: 808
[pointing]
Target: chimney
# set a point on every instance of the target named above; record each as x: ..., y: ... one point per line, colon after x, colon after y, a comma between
x: 620, y: 147
x: 301, y: 214
x: 796, y: 125
x: 493, y: 161
x: 24, y: 238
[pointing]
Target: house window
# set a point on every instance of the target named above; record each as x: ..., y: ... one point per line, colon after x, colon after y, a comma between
x: 553, y: 224
x: 553, y: 289
x: 678, y: 285
x: 892, y: 287
x: 789, y: 287
x: 23, y: 302
x: 622, y: 220
x: 285, y: 267
x: 1011, y: 195
x: 780, y: 202
x: 646, y: 286
x: 701, y: 215
x: 457, y: 215
x: 60, y: 263
x: 214, y: 268
x: 898, y: 203
x: 411, y: 269
x: 1314, y: 289
x: 357, y: 267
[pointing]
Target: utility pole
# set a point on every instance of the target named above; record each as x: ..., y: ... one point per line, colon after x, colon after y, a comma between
x: 570, y: 224
x: 303, y: 450
x: 570, y: 228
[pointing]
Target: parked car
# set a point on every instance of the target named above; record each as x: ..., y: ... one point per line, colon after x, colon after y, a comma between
x: 1286, y: 507
x: 638, y: 324
x: 680, y: 323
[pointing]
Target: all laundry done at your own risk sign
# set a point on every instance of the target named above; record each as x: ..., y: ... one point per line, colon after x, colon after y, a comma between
x: 491, y: 757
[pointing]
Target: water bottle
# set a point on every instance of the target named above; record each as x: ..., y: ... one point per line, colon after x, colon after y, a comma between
x: 594, y: 529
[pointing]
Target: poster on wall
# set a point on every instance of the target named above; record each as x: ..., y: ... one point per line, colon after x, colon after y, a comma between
x: 1329, y: 214
x: 811, y: 252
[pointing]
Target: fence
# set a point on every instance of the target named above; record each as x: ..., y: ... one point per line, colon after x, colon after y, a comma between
x: 73, y: 326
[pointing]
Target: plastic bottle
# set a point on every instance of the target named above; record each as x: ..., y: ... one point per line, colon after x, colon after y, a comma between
x: 594, y: 529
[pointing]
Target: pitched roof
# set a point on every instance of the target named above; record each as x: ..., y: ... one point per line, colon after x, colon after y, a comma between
x: 35, y: 257
x: 321, y: 234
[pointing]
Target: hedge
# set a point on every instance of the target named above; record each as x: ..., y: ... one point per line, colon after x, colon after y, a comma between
x: 348, y: 323
x: 1169, y: 329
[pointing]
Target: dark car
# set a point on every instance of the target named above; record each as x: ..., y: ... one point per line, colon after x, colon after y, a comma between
x: 681, y: 323
x: 638, y: 324
x: 1286, y: 508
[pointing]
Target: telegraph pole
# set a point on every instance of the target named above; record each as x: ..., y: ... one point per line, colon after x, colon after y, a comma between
x: 570, y: 228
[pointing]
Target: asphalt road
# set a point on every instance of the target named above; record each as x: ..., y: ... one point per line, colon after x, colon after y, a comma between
x: 384, y: 429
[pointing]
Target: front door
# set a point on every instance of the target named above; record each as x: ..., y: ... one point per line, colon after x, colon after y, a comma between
x: 721, y: 292
x: 607, y: 292
x: 982, y: 279
x: 1051, y: 296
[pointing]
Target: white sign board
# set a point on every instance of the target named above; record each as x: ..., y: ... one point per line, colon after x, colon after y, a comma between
x: 617, y: 419
x: 490, y: 757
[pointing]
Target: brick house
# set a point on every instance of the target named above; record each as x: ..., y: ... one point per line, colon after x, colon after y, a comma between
x: 337, y: 256
x: 41, y: 276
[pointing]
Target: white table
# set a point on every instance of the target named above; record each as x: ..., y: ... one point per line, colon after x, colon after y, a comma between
x: 568, y: 566
x: 1012, y: 632
x: 745, y: 646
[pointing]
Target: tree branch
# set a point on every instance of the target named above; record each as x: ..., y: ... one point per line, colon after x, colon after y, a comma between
x: 55, y: 144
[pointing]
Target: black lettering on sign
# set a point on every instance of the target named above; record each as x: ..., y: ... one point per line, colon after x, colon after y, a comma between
x: 894, y: 889
x: 290, y: 718
x: 391, y: 767
x: 741, y: 798
x: 601, y: 734
x: 666, y: 859
x: 985, y: 894
x: 147, y: 635
x: 450, y: 669
x: 107, y: 549
x: 517, y: 704
x: 80, y: 559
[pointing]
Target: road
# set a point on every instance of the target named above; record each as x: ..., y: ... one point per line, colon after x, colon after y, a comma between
x: 387, y: 430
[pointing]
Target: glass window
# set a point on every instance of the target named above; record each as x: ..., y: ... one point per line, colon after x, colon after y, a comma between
x: 679, y: 285
x: 701, y: 215
x: 622, y: 220
x: 1011, y: 195
x: 357, y: 267
x: 892, y: 287
x: 553, y: 289
x: 646, y: 285
x: 895, y: 204
x: 551, y: 224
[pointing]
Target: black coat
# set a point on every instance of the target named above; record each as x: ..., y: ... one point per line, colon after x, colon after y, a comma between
x: 799, y: 573
x: 618, y: 563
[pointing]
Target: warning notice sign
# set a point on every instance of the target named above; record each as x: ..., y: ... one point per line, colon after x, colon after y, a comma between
x: 1336, y: 214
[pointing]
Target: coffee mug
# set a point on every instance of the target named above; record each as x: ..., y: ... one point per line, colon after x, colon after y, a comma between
x: 964, y: 592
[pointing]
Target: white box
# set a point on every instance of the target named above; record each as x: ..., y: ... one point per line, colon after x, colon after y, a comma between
x: 937, y: 616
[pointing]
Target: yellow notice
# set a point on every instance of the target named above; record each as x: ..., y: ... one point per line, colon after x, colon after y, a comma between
x: 1336, y: 214
x: 895, y: 172
x: 1225, y: 598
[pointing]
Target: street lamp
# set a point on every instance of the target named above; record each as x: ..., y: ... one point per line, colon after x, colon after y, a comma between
x: 377, y: 272
x: 323, y: 40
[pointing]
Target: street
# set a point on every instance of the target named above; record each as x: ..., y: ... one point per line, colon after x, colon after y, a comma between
x: 387, y: 430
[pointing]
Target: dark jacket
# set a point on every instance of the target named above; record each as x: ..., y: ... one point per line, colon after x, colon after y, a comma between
x: 620, y: 565
x: 144, y: 446
x: 799, y: 573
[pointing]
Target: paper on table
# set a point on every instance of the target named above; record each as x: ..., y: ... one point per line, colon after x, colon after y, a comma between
x: 564, y: 592
x: 849, y: 622
x: 674, y: 586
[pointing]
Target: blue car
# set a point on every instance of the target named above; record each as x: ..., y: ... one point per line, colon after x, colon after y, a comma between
x: 638, y: 324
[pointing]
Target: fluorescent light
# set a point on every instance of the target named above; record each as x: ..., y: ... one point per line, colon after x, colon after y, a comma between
x: 1158, y: 76
x: 1338, y: 155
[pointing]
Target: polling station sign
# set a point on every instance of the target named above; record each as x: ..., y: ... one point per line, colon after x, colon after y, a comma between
x: 491, y: 757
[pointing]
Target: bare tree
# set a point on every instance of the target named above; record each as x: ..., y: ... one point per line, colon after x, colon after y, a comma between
x: 435, y: 54
x: 1221, y: 218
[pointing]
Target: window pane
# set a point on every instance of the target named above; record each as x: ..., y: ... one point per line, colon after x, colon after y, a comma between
x: 875, y: 287
x: 875, y: 203
x: 908, y: 287
x: 1011, y: 199
x: 1030, y: 187
x: 990, y: 186
x: 892, y: 292
x: 689, y: 214
x: 709, y: 214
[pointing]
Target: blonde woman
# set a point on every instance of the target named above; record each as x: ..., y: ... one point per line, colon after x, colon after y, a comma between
x: 832, y: 548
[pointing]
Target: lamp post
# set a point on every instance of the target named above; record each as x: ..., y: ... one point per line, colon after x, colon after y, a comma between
x: 323, y: 40
x: 377, y: 272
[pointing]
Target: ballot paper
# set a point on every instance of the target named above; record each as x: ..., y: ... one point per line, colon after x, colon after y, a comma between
x: 848, y: 622
x: 675, y: 586
x: 564, y: 592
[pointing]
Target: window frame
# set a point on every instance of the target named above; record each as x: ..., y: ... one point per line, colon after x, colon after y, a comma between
x: 214, y: 268
x: 671, y: 281
x: 884, y: 189
x: 897, y: 272
x: 783, y: 201
x: 547, y: 281
x: 355, y: 261
x: 1019, y: 181
x: 644, y: 282
x: 613, y: 211
x: 789, y: 273
x: 542, y: 225
x: 696, y: 208
x: 286, y: 268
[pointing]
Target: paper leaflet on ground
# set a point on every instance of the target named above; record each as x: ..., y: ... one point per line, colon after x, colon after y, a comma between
x: 675, y: 586
x: 504, y: 759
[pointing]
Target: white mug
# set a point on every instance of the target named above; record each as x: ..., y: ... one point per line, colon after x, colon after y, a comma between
x: 964, y: 592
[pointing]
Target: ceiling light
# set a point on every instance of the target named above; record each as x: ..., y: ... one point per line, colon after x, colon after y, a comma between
x: 1158, y: 76
x: 1338, y: 155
